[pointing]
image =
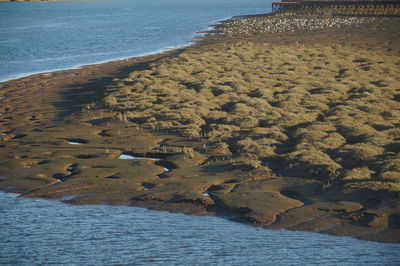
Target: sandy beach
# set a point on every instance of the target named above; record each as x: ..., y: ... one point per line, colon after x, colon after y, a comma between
x: 283, y: 121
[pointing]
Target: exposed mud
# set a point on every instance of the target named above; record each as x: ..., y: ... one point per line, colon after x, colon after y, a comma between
x: 304, y: 161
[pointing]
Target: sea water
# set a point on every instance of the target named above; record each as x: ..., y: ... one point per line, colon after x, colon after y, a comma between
x: 43, y: 232
x: 45, y: 36
x: 39, y: 37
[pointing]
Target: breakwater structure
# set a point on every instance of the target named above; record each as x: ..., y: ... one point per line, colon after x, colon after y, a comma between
x: 339, y: 7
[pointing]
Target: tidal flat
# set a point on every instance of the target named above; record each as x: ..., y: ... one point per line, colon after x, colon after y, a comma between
x: 283, y: 121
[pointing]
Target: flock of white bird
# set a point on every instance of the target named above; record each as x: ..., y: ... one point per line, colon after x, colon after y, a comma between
x: 284, y: 23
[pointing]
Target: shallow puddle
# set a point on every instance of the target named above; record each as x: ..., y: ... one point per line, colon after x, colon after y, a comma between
x: 74, y: 143
x: 130, y: 157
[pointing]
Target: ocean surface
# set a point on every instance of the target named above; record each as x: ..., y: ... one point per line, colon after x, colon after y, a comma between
x: 44, y: 232
x: 46, y: 36
x: 41, y: 37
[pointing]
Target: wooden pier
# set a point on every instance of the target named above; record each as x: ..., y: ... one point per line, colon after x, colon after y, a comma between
x: 371, y: 7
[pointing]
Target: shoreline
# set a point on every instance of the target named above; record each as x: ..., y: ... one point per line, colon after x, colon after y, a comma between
x: 94, y: 171
x: 79, y: 66
x: 184, y: 43
x: 194, y: 38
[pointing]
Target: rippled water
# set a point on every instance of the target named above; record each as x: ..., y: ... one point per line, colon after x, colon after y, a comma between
x: 38, y: 37
x: 42, y: 232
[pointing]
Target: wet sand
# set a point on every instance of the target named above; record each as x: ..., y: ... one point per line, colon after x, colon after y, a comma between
x: 63, y: 133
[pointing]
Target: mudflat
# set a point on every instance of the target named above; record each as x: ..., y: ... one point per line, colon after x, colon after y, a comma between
x: 283, y: 121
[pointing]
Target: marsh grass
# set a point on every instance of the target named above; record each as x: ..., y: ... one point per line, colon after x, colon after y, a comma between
x: 328, y: 112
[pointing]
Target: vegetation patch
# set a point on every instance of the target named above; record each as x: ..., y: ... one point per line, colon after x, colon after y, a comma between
x: 327, y: 112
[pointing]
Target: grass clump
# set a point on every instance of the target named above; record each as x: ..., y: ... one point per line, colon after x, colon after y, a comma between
x: 359, y: 173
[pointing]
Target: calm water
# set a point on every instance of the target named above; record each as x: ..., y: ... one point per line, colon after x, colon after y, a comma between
x: 39, y: 37
x: 42, y: 232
